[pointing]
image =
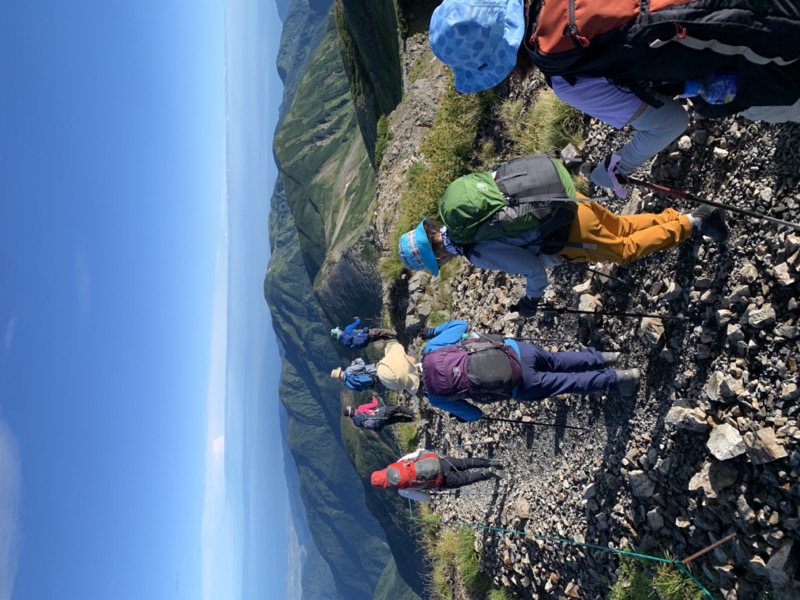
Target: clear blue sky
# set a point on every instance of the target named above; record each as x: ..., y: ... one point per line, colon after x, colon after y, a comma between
x: 116, y: 258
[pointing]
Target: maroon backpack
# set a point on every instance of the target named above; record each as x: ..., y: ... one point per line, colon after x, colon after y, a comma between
x: 482, y: 371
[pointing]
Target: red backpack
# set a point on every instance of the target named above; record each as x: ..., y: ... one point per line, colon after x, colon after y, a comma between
x: 665, y: 41
x: 423, y: 471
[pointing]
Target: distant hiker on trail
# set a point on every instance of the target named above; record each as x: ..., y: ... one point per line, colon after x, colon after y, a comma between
x: 374, y: 417
x: 523, y: 217
x: 359, y: 338
x: 426, y: 469
x: 622, y: 64
x: 358, y: 377
x: 484, y: 370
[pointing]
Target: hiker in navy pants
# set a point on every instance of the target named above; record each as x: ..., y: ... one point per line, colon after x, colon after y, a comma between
x: 546, y: 374
x: 541, y: 373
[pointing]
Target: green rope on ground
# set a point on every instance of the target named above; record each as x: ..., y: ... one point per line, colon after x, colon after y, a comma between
x: 673, y: 562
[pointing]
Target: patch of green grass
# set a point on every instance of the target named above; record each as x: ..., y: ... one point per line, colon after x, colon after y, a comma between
x: 672, y: 584
x: 451, y: 553
x: 436, y: 319
x: 384, y: 137
x: 447, y: 149
x: 421, y: 65
x: 638, y: 582
x: 469, y: 565
x: 407, y: 436
x: 391, y: 267
x: 544, y: 127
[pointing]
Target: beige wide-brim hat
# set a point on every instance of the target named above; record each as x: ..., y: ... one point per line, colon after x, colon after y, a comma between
x: 396, y: 372
x: 336, y: 373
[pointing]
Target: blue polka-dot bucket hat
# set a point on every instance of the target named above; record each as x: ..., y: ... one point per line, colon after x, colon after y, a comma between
x: 478, y: 39
x: 416, y: 252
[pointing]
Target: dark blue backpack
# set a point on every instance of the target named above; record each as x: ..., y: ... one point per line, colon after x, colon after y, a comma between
x: 360, y: 382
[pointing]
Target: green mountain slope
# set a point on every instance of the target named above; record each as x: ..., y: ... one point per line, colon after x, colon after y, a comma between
x: 321, y: 257
x: 371, y: 57
x: 323, y: 160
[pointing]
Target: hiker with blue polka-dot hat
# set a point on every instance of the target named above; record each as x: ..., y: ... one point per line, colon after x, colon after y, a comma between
x: 622, y: 79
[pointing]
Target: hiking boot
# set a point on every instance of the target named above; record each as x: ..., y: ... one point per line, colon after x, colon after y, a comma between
x: 610, y: 358
x: 711, y: 223
x: 492, y: 472
x: 627, y: 381
x: 496, y: 464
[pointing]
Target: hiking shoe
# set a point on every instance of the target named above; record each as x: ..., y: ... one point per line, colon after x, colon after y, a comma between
x: 496, y: 464
x: 627, y: 381
x: 492, y: 472
x: 712, y: 223
x: 610, y: 358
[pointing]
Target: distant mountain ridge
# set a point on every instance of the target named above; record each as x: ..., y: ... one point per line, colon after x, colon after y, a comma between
x: 320, y: 211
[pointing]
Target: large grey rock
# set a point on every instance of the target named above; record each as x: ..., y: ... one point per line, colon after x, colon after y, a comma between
x: 725, y: 442
x: 763, y: 446
x: 759, y: 317
x: 651, y: 331
x: 783, y: 274
x: 713, y: 478
x: 722, y: 386
x: 693, y: 419
x: 783, y: 570
x: 641, y: 485
x: 590, y: 303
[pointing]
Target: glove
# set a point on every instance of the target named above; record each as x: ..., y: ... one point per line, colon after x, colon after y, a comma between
x: 428, y: 333
x: 607, y: 175
x: 526, y: 307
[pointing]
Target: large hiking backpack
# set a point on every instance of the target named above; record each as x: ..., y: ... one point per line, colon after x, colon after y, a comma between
x: 421, y: 472
x: 372, y: 421
x: 482, y: 371
x: 360, y: 382
x: 526, y: 194
x: 670, y: 41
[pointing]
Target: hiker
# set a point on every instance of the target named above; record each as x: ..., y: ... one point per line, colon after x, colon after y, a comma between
x: 426, y: 469
x: 523, y: 217
x: 359, y: 338
x: 374, y: 417
x: 398, y: 368
x: 616, y: 78
x: 488, y: 369
x: 358, y: 377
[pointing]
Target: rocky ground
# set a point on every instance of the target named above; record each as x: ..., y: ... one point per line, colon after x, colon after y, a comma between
x: 709, y: 446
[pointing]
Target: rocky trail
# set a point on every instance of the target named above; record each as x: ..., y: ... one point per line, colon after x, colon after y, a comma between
x: 709, y: 446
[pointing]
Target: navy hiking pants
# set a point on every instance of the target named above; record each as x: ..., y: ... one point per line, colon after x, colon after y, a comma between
x: 546, y: 374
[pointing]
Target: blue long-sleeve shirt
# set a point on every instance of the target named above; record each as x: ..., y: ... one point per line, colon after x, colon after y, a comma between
x: 355, y: 338
x: 448, y: 334
x: 510, y: 256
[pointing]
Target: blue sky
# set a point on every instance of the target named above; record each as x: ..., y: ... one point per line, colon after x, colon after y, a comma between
x: 126, y: 247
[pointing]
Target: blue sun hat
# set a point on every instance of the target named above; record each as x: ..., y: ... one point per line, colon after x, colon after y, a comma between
x: 416, y: 252
x: 478, y: 39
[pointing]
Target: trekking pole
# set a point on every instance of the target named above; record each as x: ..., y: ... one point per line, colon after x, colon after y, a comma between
x: 533, y: 339
x: 520, y: 421
x: 574, y: 311
x: 459, y: 492
x: 689, y: 196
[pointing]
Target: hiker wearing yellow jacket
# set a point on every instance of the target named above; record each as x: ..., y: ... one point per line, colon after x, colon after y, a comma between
x: 541, y: 222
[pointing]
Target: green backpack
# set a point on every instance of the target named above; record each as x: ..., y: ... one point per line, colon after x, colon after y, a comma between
x: 533, y: 193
